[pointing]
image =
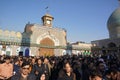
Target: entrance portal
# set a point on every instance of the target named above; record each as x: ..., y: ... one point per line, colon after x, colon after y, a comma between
x: 27, y: 52
x: 46, y: 51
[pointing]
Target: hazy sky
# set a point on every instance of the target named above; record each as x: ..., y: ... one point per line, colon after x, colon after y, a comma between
x: 84, y: 20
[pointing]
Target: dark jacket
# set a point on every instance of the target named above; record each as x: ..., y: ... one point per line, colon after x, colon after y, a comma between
x: 18, y: 76
x: 39, y: 69
x: 64, y: 76
x: 16, y: 69
x: 46, y: 70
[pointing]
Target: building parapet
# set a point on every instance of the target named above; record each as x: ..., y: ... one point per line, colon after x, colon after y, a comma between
x: 38, y: 45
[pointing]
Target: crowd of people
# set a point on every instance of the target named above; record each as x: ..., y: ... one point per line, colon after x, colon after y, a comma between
x: 67, y: 67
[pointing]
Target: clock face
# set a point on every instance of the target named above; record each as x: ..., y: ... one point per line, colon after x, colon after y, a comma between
x: 48, y: 21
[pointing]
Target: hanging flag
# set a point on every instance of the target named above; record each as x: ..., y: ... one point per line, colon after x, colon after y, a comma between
x: 46, y: 7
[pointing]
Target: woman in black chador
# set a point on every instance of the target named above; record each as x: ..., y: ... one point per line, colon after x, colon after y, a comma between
x: 66, y: 73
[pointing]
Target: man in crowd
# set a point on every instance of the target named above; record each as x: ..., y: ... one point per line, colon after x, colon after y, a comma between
x: 95, y: 75
x: 6, y: 69
x: 24, y: 73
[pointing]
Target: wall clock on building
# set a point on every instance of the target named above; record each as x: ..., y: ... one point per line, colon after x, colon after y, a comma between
x: 48, y: 22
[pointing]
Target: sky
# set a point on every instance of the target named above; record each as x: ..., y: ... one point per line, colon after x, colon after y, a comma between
x: 84, y: 20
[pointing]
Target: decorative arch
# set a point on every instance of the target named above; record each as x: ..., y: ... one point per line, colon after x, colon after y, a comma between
x: 6, y: 33
x: 52, y: 39
x: 50, y: 36
x: 111, y: 45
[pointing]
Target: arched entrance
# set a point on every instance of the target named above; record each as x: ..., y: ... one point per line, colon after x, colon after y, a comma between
x: 20, y: 51
x: 46, y: 51
x: 8, y: 51
x: 27, y: 52
x: 111, y: 45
